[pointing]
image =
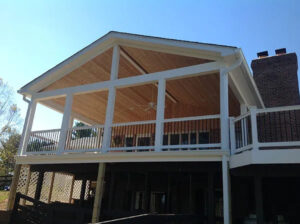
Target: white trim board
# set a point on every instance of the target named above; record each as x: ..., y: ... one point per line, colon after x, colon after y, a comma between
x: 114, y: 157
x: 278, y: 156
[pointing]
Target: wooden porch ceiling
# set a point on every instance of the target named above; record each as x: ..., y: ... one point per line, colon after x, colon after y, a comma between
x: 185, y: 97
x: 195, y: 96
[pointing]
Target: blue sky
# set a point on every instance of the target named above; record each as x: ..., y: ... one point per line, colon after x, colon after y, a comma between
x: 37, y: 35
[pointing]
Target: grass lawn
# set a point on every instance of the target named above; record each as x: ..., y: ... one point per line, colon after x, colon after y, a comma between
x: 3, y: 196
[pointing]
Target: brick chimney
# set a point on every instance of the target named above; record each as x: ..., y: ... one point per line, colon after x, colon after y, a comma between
x: 276, y: 78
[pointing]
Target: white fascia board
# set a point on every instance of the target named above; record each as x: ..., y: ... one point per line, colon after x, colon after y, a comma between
x: 68, y: 65
x: 223, y: 50
x: 96, y: 157
x: 242, y: 82
x: 209, y: 51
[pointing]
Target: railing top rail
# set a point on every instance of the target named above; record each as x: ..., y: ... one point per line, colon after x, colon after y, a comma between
x: 133, y: 123
x: 241, y: 117
x: 205, y: 117
x: 87, y: 127
x: 43, y: 131
x: 278, y: 109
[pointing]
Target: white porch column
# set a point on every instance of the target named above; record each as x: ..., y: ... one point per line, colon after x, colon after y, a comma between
x: 254, y: 128
x: 160, y: 114
x: 109, y: 119
x: 27, y: 126
x: 224, y: 110
x: 65, y: 123
x: 109, y: 116
x: 244, y: 125
x: 226, y: 190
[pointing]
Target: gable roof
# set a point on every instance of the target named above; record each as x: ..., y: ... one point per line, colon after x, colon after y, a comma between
x: 212, y: 50
x: 181, y: 47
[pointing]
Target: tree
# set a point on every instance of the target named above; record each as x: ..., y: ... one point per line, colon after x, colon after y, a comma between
x: 8, y: 150
x: 9, y: 122
x: 9, y: 112
x: 82, y: 133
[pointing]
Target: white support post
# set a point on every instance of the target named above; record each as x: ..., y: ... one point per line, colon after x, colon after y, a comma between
x: 109, y: 119
x: 254, y: 128
x: 65, y: 124
x: 226, y: 190
x: 110, y: 107
x: 160, y: 114
x: 244, y: 126
x: 232, y: 136
x: 27, y: 126
x: 115, y: 63
x: 224, y: 110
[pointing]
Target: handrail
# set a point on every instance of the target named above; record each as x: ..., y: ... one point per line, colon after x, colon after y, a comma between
x: 48, y: 130
x: 133, y: 123
x: 241, y: 117
x: 87, y: 127
x: 278, y: 109
x: 205, y: 117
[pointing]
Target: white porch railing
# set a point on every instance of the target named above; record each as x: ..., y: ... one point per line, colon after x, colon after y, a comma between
x: 274, y: 128
x: 133, y: 136
x: 201, y: 132
x: 43, y: 142
x: 83, y: 139
x: 194, y: 133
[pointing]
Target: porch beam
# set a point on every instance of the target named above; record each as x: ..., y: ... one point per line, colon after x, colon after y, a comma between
x: 160, y: 114
x: 189, y: 71
x: 65, y: 123
x: 143, y: 71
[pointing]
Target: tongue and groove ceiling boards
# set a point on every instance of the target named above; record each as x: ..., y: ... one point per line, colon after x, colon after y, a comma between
x: 190, y: 96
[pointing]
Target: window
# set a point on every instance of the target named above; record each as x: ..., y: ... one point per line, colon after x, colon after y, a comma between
x: 143, y: 141
x: 203, y: 138
x: 174, y: 139
x: 139, y: 200
x: 128, y: 141
x: 193, y: 137
x: 184, y: 139
x: 166, y: 140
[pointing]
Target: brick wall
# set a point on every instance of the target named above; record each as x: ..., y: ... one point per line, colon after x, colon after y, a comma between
x: 276, y: 79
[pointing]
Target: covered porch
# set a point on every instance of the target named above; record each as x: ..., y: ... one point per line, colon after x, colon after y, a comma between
x: 137, y: 100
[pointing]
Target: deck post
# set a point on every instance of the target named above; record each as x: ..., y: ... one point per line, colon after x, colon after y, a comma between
x: 160, y: 114
x: 39, y: 185
x: 27, y: 126
x: 65, y: 124
x: 82, y: 192
x: 99, y: 192
x: 110, y: 107
x: 232, y: 136
x: 224, y: 110
x: 26, y: 185
x: 13, y: 188
x: 71, y: 190
x: 51, y: 187
x: 226, y: 190
x: 211, y: 197
x: 258, y: 199
x: 254, y: 128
